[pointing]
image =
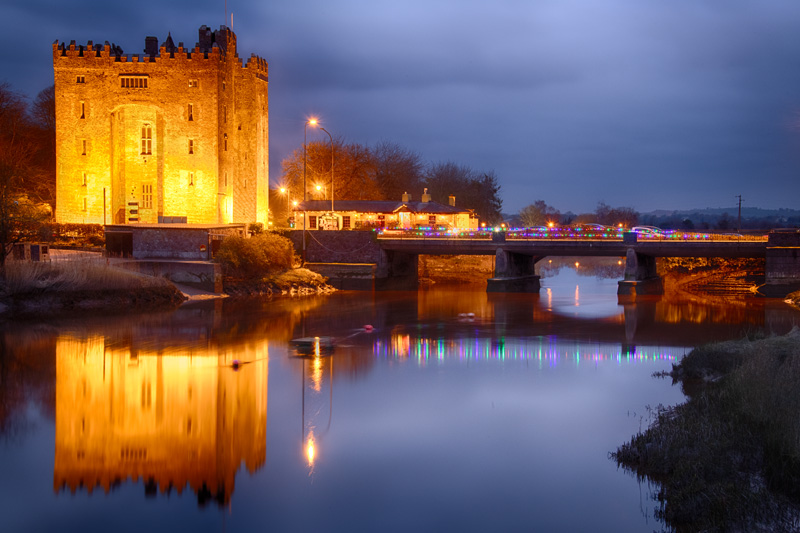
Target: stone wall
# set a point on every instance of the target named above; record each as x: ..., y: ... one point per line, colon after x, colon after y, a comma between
x: 338, y: 246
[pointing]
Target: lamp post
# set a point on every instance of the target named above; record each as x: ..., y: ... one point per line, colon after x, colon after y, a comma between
x: 285, y: 190
x: 313, y: 122
x: 331, y: 138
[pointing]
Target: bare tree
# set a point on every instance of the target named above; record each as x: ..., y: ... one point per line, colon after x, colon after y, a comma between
x: 397, y: 170
x: 538, y: 214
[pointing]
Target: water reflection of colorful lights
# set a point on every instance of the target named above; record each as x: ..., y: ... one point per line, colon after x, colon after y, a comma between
x: 425, y: 351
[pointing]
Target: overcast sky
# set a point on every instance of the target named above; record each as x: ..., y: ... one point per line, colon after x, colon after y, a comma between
x: 650, y: 104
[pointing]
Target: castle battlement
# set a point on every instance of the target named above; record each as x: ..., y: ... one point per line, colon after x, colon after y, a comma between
x: 206, y: 48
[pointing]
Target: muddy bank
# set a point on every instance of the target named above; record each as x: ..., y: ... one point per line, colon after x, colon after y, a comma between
x: 729, y: 458
x: 107, y: 301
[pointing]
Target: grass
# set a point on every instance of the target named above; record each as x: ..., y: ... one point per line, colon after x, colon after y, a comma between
x: 728, y: 458
x: 86, y: 274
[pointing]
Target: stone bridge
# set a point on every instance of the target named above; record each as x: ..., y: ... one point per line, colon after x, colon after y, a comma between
x: 367, y: 260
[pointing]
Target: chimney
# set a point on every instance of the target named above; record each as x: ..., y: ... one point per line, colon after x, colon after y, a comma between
x: 452, y: 200
x: 425, y: 196
x: 151, y: 46
x: 406, y: 197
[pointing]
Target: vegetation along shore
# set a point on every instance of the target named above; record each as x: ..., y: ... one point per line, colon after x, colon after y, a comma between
x: 728, y: 459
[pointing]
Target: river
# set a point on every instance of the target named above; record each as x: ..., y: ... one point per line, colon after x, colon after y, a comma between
x: 447, y: 409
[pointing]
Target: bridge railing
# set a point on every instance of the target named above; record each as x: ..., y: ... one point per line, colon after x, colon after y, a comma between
x: 563, y: 233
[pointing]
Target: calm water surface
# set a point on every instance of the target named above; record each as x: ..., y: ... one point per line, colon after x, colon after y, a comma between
x: 459, y: 411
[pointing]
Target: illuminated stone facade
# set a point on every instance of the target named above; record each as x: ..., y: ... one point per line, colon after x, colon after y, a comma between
x: 172, y: 135
x: 169, y: 418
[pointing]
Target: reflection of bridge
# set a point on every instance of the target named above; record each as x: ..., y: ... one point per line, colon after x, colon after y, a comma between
x: 396, y: 255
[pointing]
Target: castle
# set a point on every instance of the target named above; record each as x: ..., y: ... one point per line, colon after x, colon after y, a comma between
x: 172, y: 135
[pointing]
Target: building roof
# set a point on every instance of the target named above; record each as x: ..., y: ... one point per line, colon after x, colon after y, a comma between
x: 379, y: 206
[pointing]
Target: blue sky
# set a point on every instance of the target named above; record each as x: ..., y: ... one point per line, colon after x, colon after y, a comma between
x: 650, y: 104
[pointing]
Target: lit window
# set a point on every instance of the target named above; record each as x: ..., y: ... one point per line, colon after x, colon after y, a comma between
x: 133, y: 82
x: 147, y: 196
x: 80, y: 79
x: 194, y: 83
x: 147, y: 139
x: 191, y: 146
x: 312, y: 221
x: 432, y: 220
x: 346, y: 222
x: 191, y: 112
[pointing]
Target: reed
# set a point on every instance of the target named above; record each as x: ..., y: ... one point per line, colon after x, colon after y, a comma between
x: 85, y: 274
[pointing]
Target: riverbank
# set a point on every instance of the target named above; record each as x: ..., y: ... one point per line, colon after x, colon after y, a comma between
x: 729, y: 458
x: 85, y: 285
x: 294, y: 282
x: 794, y: 299
x: 89, y: 285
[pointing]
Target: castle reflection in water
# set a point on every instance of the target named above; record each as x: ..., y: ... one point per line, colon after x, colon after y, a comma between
x: 166, y: 418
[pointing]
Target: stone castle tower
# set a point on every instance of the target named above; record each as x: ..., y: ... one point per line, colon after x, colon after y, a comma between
x: 171, y: 135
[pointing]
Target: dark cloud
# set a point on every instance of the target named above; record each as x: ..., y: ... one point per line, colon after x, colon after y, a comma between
x: 657, y: 104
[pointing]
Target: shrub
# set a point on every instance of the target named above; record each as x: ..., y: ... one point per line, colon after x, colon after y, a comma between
x: 255, y: 257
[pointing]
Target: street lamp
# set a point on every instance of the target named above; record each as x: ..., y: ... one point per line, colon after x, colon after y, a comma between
x: 287, y: 192
x: 331, y: 138
x: 313, y: 122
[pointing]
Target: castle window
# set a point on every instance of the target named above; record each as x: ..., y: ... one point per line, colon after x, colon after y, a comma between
x: 191, y: 182
x: 81, y: 79
x: 85, y: 204
x: 147, y: 139
x: 223, y: 85
x: 312, y: 222
x: 83, y: 146
x: 133, y: 82
x: 245, y: 183
x: 225, y: 142
x: 147, y: 197
x: 224, y: 114
x: 191, y: 112
x: 84, y: 179
x: 191, y: 146
x: 226, y: 179
x: 83, y: 109
x: 194, y: 83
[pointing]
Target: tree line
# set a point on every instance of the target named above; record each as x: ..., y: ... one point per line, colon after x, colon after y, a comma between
x: 27, y: 164
x: 384, y: 172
